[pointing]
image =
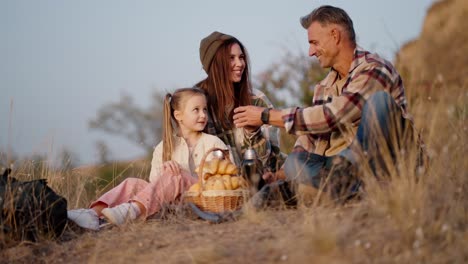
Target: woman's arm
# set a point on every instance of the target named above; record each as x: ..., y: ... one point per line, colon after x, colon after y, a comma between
x: 265, y: 140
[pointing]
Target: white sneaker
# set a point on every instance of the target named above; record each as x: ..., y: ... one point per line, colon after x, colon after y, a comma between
x: 122, y: 213
x: 86, y: 218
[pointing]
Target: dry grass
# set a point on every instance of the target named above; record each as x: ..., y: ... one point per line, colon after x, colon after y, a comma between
x: 404, y: 221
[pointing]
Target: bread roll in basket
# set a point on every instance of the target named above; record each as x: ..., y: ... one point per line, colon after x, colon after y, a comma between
x: 219, y: 187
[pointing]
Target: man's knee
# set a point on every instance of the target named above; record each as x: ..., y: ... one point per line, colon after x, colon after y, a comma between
x: 293, y: 162
x: 379, y: 102
x: 304, y: 167
x: 380, y: 95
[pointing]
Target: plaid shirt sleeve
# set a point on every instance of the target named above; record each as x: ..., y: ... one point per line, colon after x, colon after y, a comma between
x: 347, y: 107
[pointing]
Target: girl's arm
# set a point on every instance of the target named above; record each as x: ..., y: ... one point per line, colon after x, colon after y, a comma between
x: 171, y: 168
x: 159, y: 168
x: 156, y: 163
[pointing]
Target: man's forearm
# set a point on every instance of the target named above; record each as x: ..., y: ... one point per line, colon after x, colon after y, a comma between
x: 276, y: 118
x: 250, y: 115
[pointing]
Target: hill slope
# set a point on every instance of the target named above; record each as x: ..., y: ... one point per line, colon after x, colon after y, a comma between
x: 440, y: 52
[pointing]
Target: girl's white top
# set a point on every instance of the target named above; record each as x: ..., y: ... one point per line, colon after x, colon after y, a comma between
x: 182, y: 154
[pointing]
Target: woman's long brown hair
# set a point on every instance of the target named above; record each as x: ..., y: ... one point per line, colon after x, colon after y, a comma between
x: 222, y: 92
x: 173, y: 102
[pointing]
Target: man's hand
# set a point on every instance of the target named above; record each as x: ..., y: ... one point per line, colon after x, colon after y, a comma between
x: 171, y: 168
x: 248, y: 116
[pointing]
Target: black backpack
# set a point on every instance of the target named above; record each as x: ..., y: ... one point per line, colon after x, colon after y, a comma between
x: 30, y: 209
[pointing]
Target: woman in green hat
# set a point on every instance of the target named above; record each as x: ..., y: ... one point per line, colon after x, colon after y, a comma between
x: 228, y: 86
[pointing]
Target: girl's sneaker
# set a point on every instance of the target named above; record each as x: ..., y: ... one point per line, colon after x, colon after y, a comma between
x: 85, y: 218
x: 122, y: 213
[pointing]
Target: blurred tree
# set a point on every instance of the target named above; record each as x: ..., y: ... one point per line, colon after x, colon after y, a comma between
x: 67, y: 160
x: 291, y: 81
x: 103, y: 152
x: 140, y: 126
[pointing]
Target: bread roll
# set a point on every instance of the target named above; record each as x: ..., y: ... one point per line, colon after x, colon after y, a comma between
x: 218, y: 185
x: 227, y: 182
x: 195, y: 188
x: 212, y: 166
x: 209, y: 185
x: 223, y: 166
x: 235, y: 182
x: 231, y: 169
x: 206, y: 176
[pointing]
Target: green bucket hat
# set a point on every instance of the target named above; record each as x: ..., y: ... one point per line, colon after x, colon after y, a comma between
x: 209, y: 46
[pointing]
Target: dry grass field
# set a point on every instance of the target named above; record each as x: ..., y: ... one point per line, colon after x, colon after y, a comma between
x: 415, y: 217
x: 405, y: 221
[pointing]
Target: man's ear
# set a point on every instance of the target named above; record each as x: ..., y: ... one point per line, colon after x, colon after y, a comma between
x: 336, y: 35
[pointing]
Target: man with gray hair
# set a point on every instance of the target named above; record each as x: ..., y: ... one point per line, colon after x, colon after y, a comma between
x: 358, y: 112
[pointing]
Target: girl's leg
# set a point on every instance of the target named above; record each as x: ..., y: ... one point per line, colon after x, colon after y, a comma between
x: 89, y: 218
x: 122, y: 193
x: 165, y: 190
x: 122, y: 213
x: 98, y: 208
x: 150, y: 199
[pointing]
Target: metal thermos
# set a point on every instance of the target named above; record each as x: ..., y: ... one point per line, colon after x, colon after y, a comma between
x: 249, y: 168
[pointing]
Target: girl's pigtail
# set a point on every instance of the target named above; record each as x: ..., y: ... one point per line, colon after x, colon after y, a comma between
x: 168, y: 129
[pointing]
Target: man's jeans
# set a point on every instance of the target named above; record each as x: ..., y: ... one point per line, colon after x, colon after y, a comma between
x: 380, y: 132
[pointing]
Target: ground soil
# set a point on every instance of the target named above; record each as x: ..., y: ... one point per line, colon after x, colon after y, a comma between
x: 254, y: 237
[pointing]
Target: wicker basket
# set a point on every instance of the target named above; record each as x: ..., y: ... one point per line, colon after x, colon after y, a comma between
x: 216, y: 201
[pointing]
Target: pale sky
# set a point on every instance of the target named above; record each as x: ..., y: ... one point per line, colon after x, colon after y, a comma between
x: 60, y: 61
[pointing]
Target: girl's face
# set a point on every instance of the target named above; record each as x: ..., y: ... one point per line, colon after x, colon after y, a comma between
x: 237, y: 63
x: 193, y: 117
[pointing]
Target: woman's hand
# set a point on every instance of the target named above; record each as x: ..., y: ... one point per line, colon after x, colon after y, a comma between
x: 271, y: 177
x: 171, y: 168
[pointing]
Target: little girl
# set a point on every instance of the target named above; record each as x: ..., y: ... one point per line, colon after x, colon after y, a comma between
x: 172, y: 167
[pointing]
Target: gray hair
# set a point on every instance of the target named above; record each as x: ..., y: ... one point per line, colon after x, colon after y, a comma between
x: 330, y: 15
